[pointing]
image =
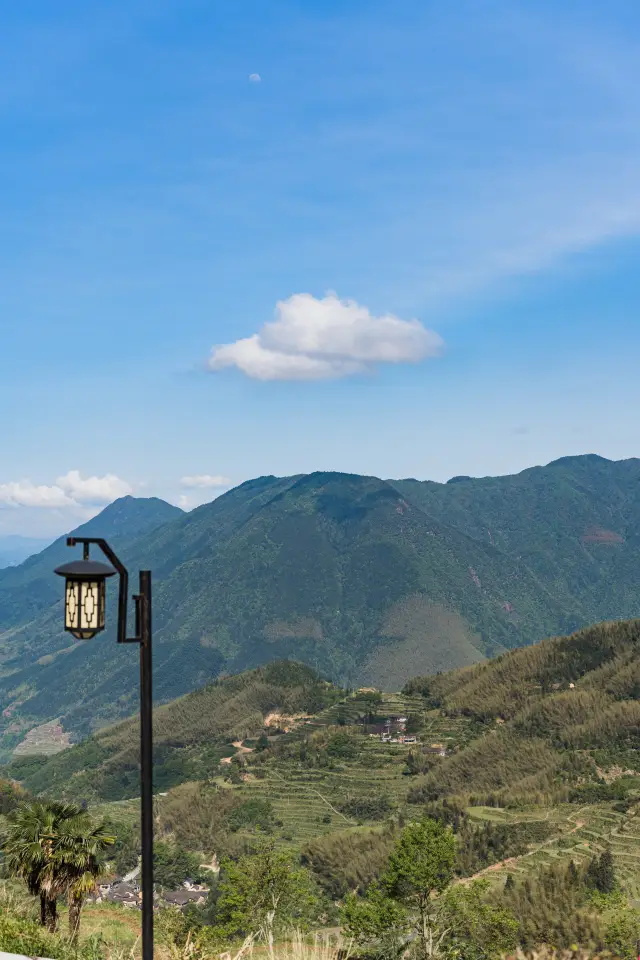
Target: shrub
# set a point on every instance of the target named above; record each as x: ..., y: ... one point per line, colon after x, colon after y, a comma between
x: 342, y: 746
x: 367, y: 808
x: 173, y: 865
x: 346, y: 861
x: 593, y: 792
x: 24, y: 936
x: 252, y: 813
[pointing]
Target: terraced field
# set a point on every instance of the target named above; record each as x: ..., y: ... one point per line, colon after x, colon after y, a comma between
x: 126, y: 812
x: 306, y: 800
x: 350, y: 709
x: 583, y: 831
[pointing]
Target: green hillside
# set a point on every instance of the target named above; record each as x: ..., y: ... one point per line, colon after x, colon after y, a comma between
x: 368, y: 581
x: 575, y: 524
x: 524, y: 802
x: 191, y: 735
x: 541, y: 766
x: 535, y: 721
x: 538, y: 772
x: 554, y: 713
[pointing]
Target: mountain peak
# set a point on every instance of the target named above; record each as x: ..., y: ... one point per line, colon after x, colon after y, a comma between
x: 31, y: 585
x: 130, y: 515
x: 582, y: 459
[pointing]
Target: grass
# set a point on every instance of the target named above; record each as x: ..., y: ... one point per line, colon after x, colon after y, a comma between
x: 118, y: 926
x: 119, y: 930
x: 125, y: 812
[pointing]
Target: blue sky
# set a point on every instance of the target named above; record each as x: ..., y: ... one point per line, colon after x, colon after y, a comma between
x: 416, y: 238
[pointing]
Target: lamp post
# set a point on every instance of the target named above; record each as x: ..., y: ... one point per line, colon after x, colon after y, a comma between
x: 84, y: 617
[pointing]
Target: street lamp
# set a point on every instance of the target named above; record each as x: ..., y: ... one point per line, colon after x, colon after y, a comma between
x: 84, y: 617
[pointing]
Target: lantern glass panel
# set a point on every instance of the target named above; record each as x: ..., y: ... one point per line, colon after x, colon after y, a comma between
x: 72, y: 604
x: 84, y: 607
x: 90, y: 605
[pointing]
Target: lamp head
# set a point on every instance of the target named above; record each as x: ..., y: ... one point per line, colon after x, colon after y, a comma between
x: 84, y: 598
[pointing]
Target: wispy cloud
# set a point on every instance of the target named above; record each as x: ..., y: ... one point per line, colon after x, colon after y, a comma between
x: 205, y: 481
x: 542, y: 153
x: 486, y: 144
x: 517, y: 146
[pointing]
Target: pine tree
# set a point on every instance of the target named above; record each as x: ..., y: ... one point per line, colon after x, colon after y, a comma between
x: 509, y: 884
x: 592, y: 875
x: 412, y: 767
x: 606, y: 874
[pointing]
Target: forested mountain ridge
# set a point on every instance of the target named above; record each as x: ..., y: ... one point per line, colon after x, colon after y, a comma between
x: 574, y: 523
x: 367, y: 580
x: 552, y: 715
x: 603, y: 660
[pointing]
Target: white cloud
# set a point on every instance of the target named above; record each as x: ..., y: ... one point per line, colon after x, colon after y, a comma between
x: 255, y: 78
x: 93, y: 489
x: 205, y: 481
x: 320, y: 339
x: 68, y: 491
x: 185, y: 502
x: 24, y: 493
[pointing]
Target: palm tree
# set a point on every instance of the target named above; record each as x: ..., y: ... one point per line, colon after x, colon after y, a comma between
x: 57, y: 849
x: 78, y: 860
x: 28, y: 845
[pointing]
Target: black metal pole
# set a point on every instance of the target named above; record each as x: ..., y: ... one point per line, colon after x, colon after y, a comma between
x: 142, y: 637
x: 146, y: 763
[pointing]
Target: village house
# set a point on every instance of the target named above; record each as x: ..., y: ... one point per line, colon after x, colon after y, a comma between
x: 392, y: 726
x: 181, y: 898
x: 437, y: 748
x: 195, y: 887
x: 128, y: 893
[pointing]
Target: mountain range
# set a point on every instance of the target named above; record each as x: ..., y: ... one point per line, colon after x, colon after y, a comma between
x: 15, y: 549
x: 369, y: 581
